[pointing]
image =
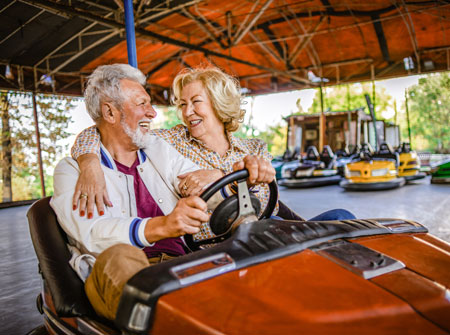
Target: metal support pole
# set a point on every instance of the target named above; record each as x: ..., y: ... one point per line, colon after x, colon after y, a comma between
x: 374, y: 120
x: 131, y: 38
x: 38, y: 145
x: 349, y: 118
x: 373, y: 95
x: 407, y: 116
x: 321, y: 119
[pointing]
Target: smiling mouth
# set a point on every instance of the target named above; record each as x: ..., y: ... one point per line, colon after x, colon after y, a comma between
x: 195, y: 123
x: 145, y: 124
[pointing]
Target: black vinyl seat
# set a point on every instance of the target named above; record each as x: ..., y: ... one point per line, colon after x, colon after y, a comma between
x: 312, y: 154
x: 50, y: 245
x: 404, y: 148
x: 327, y: 156
x: 386, y: 152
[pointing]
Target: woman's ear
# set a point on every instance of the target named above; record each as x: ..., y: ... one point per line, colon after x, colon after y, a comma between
x: 109, y: 112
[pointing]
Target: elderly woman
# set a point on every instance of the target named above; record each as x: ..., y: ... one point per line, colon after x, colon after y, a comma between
x: 210, y: 105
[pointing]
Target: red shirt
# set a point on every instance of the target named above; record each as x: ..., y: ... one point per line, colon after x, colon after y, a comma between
x: 148, y: 208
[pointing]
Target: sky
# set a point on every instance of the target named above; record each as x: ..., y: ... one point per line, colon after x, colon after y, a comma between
x: 267, y: 109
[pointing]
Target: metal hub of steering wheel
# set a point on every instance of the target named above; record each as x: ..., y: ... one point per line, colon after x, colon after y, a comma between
x: 234, y: 210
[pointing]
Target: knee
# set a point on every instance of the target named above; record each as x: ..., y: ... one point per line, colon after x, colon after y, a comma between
x: 342, y: 214
x: 117, y: 250
x: 121, y: 255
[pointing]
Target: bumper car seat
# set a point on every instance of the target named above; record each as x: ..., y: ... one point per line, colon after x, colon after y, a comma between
x: 50, y: 245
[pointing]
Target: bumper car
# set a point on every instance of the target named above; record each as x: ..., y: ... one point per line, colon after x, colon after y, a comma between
x: 263, y: 276
x: 409, y: 167
x: 440, y: 174
x: 344, y: 156
x: 313, y: 170
x: 373, y: 171
x: 278, y: 162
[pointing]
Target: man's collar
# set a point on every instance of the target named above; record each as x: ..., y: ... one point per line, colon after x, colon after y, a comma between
x: 108, y: 161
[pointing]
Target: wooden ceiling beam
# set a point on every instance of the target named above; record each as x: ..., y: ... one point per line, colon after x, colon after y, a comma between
x: 306, y: 41
x: 20, y: 27
x: 412, y: 34
x: 167, y: 11
x: 275, y: 44
x: 388, y: 68
x: 363, y: 39
x: 243, y: 30
x: 312, y: 55
x: 381, y: 38
x: 80, y: 33
x: 7, y: 6
x: 55, y: 7
x: 329, y: 30
x: 266, y: 48
x: 203, y: 27
x: 83, y: 51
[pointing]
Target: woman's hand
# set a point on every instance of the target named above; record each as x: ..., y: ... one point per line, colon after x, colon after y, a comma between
x: 193, y: 183
x: 91, y: 187
x: 260, y: 170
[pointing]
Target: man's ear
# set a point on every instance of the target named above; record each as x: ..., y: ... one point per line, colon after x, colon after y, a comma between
x: 109, y: 112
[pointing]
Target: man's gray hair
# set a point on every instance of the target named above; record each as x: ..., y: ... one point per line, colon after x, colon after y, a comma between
x: 104, y: 86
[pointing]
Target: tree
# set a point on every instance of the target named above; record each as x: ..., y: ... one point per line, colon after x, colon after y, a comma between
x: 429, y: 103
x: 170, y: 117
x: 6, y: 153
x: 54, y: 118
x: 348, y: 97
x: 275, y: 137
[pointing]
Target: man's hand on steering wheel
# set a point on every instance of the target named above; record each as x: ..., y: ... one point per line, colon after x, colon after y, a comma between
x: 260, y: 170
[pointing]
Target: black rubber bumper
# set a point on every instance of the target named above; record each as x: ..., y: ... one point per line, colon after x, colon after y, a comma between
x: 440, y: 180
x: 309, y: 182
x: 349, y: 186
x: 418, y: 176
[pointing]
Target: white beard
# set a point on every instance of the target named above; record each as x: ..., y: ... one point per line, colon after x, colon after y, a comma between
x: 138, y: 137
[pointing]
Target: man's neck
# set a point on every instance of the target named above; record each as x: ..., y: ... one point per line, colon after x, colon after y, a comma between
x: 119, y: 147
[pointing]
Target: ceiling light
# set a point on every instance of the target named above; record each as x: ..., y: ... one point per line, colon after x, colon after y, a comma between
x: 8, y: 72
x: 409, y: 63
x: 314, y: 79
x: 46, y: 80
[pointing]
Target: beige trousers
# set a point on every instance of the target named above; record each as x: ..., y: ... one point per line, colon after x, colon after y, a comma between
x: 112, y: 269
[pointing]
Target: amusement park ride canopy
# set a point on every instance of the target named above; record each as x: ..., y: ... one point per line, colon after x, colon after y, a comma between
x: 270, y: 45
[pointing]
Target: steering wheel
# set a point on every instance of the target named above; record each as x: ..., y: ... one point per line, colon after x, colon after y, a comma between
x: 233, y: 210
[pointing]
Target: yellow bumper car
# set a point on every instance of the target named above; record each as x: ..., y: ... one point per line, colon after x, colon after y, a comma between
x: 409, y: 167
x: 373, y: 171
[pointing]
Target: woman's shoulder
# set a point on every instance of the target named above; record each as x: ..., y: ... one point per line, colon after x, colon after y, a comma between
x: 250, y: 143
x: 171, y: 135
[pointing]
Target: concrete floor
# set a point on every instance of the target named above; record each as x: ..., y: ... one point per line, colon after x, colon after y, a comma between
x: 20, y: 281
x: 421, y: 201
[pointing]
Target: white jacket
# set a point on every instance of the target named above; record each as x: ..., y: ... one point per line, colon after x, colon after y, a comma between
x: 160, y: 164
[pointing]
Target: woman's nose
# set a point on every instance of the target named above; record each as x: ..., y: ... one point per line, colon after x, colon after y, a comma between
x: 188, y: 109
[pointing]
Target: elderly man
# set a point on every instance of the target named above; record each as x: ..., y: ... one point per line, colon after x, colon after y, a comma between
x: 148, y: 218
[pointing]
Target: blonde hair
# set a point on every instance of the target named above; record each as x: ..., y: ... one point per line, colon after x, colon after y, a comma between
x: 223, y: 90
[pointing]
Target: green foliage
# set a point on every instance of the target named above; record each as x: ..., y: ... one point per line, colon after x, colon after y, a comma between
x: 429, y: 103
x: 274, y: 136
x: 54, y: 118
x: 348, y: 97
x: 170, y: 117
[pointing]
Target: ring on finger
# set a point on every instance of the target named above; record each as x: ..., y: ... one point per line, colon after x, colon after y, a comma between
x: 83, y: 195
x: 185, y: 187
